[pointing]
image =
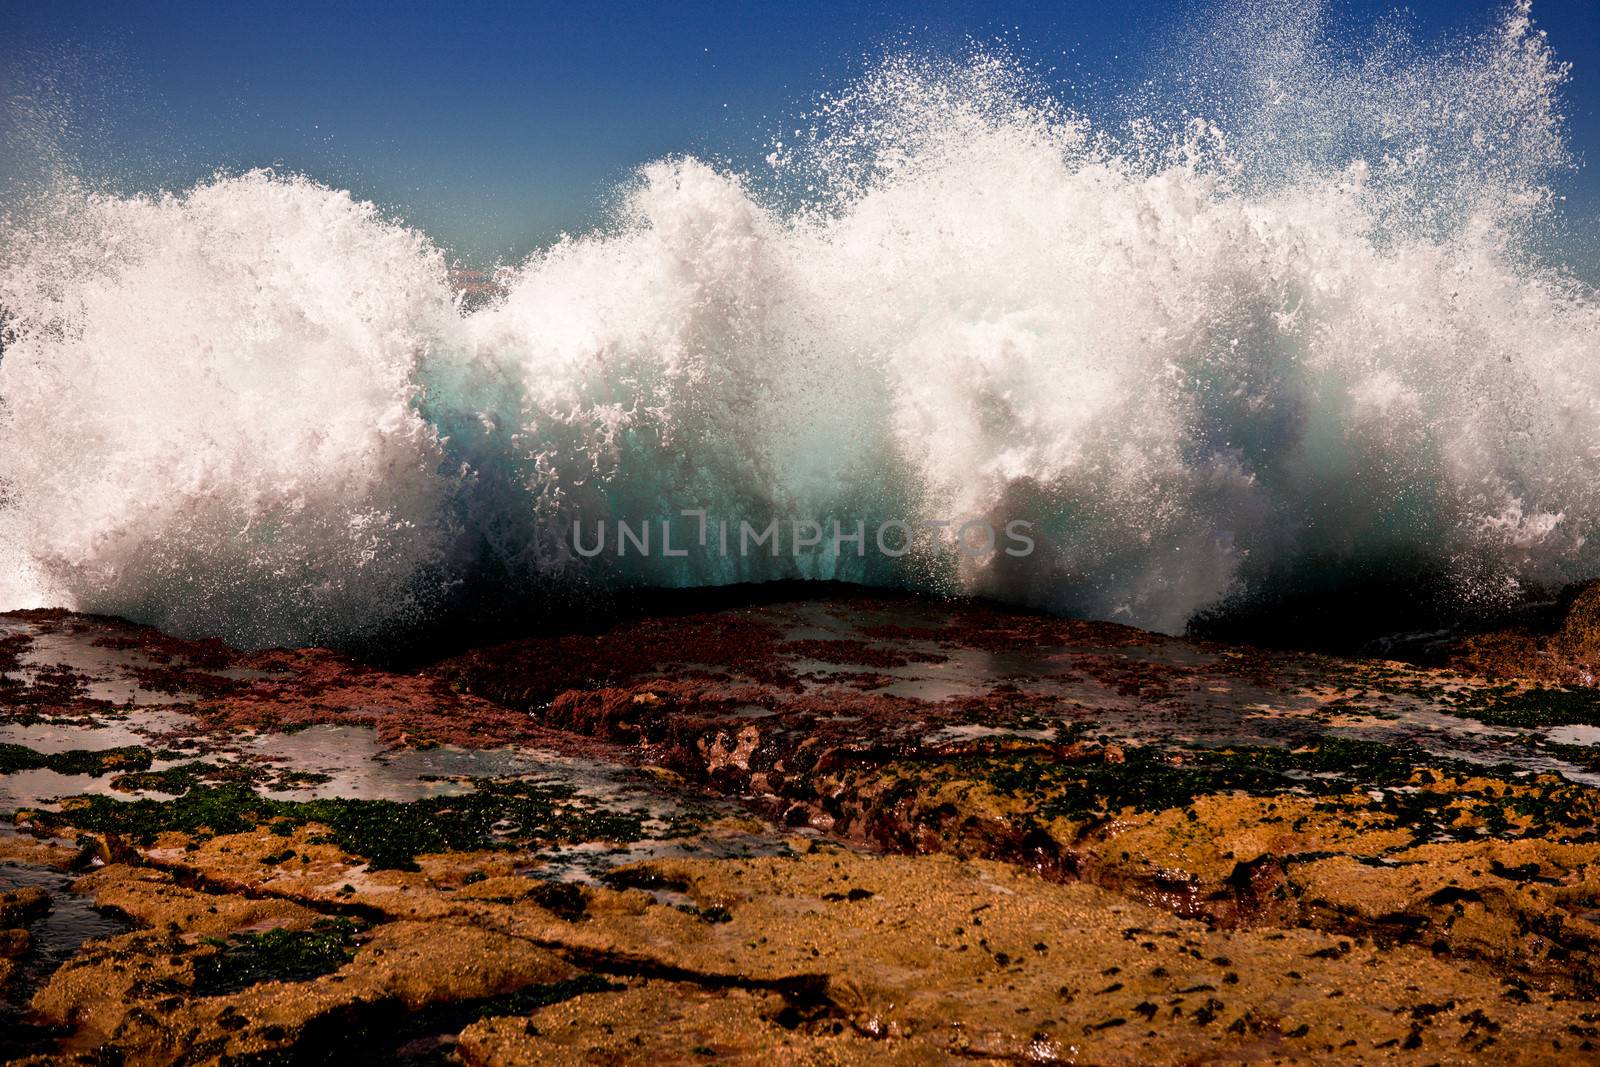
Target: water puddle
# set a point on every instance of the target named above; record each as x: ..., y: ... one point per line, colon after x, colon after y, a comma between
x: 1574, y: 735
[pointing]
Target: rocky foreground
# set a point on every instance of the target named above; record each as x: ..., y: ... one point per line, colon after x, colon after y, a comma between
x: 854, y: 829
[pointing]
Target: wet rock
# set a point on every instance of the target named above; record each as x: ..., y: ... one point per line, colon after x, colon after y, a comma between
x: 18, y: 906
x: 14, y: 942
x: 126, y: 997
x: 672, y: 1022
x: 1023, y: 860
x: 1563, y: 650
x: 15, y: 848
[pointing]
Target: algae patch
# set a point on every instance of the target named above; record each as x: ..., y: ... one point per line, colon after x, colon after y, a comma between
x: 498, y: 814
x: 95, y: 762
x: 279, y: 955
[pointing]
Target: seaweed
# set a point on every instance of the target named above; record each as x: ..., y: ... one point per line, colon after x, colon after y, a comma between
x: 179, y: 779
x: 532, y: 998
x: 498, y: 814
x: 1406, y: 787
x: 1155, y: 778
x: 94, y: 762
x: 1536, y: 706
x: 276, y: 956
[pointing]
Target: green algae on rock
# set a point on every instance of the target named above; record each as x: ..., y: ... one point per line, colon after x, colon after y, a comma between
x: 496, y: 814
x: 94, y: 762
x: 276, y: 955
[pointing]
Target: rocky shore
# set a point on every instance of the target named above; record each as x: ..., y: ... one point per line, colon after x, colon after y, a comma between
x: 862, y: 827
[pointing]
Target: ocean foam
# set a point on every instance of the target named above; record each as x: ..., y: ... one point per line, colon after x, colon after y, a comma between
x: 1215, y: 359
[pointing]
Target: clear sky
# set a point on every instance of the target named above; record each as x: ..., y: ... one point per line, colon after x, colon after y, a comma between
x: 495, y: 126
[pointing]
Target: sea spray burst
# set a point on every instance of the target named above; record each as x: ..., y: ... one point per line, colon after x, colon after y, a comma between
x: 1274, y: 328
x: 210, y: 415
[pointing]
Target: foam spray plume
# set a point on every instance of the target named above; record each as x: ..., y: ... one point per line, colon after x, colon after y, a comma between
x: 1274, y: 334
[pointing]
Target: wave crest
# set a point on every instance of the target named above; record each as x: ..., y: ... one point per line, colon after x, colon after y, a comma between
x: 1297, y: 343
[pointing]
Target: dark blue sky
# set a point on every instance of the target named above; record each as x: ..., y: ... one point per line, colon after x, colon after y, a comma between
x: 496, y: 125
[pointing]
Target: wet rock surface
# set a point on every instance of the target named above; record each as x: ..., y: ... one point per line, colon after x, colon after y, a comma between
x: 1560, y: 646
x: 821, y: 831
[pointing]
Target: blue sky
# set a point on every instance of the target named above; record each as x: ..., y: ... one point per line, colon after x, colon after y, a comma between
x: 494, y: 126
